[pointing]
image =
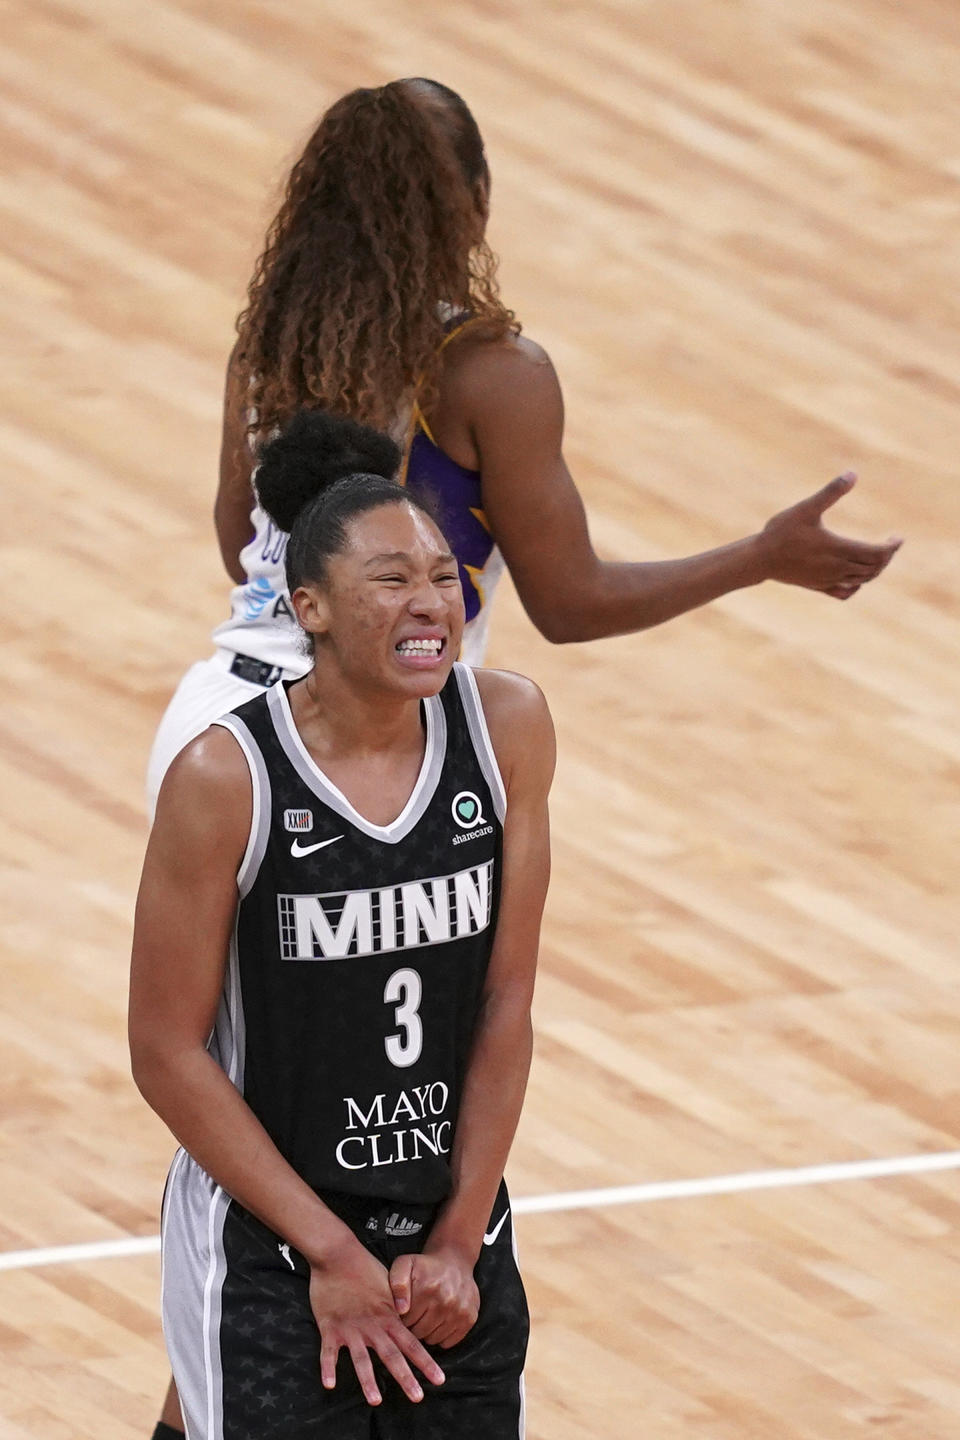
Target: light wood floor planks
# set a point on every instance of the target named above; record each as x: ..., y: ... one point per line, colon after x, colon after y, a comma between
x: 735, y: 228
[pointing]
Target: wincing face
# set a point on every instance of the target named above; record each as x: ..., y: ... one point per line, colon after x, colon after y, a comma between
x: 389, y: 616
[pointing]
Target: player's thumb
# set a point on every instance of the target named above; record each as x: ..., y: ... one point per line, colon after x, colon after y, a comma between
x: 401, y: 1273
x: 815, y: 505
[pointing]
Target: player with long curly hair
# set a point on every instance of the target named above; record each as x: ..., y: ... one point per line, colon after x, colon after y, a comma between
x: 376, y: 297
x: 380, y: 236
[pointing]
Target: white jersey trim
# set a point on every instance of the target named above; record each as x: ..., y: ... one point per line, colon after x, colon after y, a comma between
x: 212, y: 1309
x: 522, y: 1422
x: 260, y: 816
x: 194, y: 1268
x: 480, y: 735
x: 325, y: 790
x: 228, y: 1039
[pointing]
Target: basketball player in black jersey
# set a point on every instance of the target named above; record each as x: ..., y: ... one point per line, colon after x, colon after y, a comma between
x: 333, y: 965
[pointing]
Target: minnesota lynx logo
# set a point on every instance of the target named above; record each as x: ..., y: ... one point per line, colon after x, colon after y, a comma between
x: 399, y: 917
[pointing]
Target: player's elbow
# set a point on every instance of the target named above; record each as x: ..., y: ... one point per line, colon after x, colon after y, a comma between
x: 153, y: 1062
x: 567, y: 626
x: 147, y: 1062
x: 567, y: 614
x: 559, y: 629
x: 505, y: 1017
x: 557, y: 619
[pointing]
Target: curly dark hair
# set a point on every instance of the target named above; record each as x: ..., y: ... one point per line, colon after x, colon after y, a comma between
x: 378, y: 241
x: 316, y: 475
x: 310, y: 454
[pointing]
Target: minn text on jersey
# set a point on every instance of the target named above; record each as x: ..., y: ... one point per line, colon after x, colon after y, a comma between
x: 355, y: 923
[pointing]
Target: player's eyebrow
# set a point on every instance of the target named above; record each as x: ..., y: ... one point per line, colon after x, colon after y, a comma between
x: 401, y: 557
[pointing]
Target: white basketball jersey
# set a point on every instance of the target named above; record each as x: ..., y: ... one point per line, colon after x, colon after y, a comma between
x: 262, y: 622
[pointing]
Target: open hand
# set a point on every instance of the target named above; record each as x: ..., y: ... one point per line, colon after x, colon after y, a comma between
x: 436, y: 1295
x: 353, y: 1306
x: 798, y: 549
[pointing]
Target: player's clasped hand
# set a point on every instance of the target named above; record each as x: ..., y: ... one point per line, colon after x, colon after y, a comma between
x: 437, y: 1296
x: 354, y: 1308
x: 799, y: 550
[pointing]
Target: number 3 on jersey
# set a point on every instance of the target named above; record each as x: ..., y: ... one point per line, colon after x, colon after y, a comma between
x: 403, y: 990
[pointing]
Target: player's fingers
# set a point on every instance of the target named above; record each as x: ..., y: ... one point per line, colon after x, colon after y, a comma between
x: 852, y: 575
x: 329, y: 1351
x: 425, y: 1326
x: 417, y: 1316
x: 401, y: 1274
x: 451, y: 1331
x: 438, y: 1335
x: 862, y: 574
x: 453, y: 1337
x: 828, y: 495
x: 860, y: 552
x: 892, y: 547
x: 416, y: 1354
x: 842, y: 592
x: 448, y: 1326
x: 861, y: 569
x: 395, y: 1361
x: 362, y: 1364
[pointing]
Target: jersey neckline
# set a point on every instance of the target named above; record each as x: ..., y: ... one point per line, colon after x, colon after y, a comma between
x: 323, y: 787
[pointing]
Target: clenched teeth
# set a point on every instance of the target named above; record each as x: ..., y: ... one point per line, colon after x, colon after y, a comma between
x: 420, y: 647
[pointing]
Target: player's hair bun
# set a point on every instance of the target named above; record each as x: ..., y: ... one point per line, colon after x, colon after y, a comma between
x: 312, y: 452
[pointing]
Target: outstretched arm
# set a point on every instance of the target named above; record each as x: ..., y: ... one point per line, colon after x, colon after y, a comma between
x: 435, y: 1290
x: 535, y: 512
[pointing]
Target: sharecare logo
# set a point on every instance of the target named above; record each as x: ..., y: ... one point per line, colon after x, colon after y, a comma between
x: 398, y: 917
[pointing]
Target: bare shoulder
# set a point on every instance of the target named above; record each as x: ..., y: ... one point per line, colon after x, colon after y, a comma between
x: 213, y: 760
x: 510, y: 362
x: 505, y: 693
x: 207, y: 787
x: 518, y: 719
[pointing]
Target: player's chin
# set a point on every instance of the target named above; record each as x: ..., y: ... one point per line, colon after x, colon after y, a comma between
x: 423, y: 677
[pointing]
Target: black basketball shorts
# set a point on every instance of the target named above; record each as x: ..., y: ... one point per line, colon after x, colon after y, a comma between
x: 246, y: 1350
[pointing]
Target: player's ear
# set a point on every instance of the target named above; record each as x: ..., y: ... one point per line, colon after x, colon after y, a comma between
x: 312, y: 609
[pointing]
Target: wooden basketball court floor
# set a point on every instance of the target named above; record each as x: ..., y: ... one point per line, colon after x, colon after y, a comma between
x: 735, y: 227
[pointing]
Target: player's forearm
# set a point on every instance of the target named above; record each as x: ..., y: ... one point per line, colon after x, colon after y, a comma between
x: 231, y: 521
x: 617, y: 598
x: 490, y: 1107
x: 214, y: 1124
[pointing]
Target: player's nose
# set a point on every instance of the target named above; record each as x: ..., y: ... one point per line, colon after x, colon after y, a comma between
x: 428, y: 601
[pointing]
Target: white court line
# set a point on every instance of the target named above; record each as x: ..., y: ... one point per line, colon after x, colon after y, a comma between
x: 571, y: 1200
x: 735, y: 1184
x: 96, y: 1250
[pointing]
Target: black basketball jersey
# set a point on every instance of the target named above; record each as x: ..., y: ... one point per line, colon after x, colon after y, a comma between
x: 359, y: 951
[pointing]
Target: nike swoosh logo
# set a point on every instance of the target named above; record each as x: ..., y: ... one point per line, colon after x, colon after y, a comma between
x: 491, y: 1235
x: 297, y: 850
